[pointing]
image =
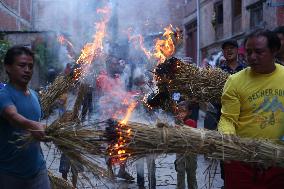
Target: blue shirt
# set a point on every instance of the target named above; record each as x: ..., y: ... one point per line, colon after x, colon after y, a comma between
x: 27, y: 161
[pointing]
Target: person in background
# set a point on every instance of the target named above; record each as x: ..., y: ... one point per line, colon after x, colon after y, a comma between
x: 20, y: 113
x: 87, y: 104
x: 51, y: 74
x: 231, y: 65
x: 186, y: 163
x: 280, y: 54
x: 106, y: 83
x: 68, y: 69
x: 64, y: 168
x: 241, y: 55
x: 62, y: 104
x: 252, y: 107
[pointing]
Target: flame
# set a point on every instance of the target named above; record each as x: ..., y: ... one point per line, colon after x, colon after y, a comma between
x: 128, y: 113
x: 94, y: 49
x: 165, y: 48
x: 119, y: 148
x: 69, y: 46
x: 61, y: 39
x: 140, y: 40
x: 91, y: 50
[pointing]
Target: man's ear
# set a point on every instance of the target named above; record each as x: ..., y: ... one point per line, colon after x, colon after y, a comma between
x: 274, y: 51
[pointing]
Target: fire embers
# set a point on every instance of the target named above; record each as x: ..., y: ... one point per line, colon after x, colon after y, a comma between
x: 164, y: 74
x: 167, y: 69
x: 119, y: 136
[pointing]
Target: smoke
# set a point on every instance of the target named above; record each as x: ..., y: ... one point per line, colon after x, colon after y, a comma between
x: 143, y: 16
x: 76, y: 20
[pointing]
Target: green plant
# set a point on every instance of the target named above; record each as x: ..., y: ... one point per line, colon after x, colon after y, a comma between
x: 4, y: 46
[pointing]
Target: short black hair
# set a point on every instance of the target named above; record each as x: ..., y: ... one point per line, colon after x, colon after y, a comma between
x: 273, y: 41
x: 230, y: 42
x: 279, y: 29
x: 16, y: 51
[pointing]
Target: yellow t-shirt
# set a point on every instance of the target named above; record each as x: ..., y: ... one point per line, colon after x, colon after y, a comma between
x: 253, y: 104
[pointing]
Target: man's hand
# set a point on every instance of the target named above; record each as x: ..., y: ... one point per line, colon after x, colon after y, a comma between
x: 37, y: 131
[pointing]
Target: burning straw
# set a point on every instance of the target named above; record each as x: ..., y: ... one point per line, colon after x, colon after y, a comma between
x: 58, y: 183
x: 142, y: 139
x: 60, y: 85
x: 83, y: 147
x: 203, y: 84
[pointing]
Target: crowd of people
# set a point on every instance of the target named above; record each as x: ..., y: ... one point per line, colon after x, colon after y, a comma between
x: 251, y: 106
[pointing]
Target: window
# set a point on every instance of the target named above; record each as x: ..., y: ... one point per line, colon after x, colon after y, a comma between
x: 237, y: 16
x: 237, y: 8
x: 191, y: 40
x: 219, y: 12
x: 218, y: 9
x: 256, y: 14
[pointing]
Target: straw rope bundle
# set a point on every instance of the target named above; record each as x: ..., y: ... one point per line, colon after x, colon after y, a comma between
x: 60, y: 85
x: 58, y: 183
x: 81, y: 145
x: 143, y: 140
x: 203, y: 84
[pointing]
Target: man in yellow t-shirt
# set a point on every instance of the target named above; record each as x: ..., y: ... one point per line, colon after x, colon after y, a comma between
x: 253, y: 106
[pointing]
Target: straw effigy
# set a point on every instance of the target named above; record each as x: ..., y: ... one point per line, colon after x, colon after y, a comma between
x: 192, y: 82
x: 142, y: 139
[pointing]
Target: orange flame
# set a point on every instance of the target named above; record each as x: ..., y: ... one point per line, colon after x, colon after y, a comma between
x: 70, y: 49
x: 165, y: 48
x: 128, y: 113
x: 61, y: 39
x: 94, y: 49
x: 139, y: 39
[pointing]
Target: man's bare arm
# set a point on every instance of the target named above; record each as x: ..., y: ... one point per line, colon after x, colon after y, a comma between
x: 16, y: 120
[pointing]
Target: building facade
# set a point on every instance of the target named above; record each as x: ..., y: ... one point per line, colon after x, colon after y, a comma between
x: 226, y: 19
x: 16, y: 15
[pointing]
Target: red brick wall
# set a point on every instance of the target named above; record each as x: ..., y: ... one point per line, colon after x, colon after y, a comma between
x: 25, y: 7
x: 7, y: 22
x: 13, y: 4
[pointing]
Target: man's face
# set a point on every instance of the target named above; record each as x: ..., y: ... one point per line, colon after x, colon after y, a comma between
x: 281, y: 37
x: 230, y: 52
x: 21, y: 70
x: 258, y: 55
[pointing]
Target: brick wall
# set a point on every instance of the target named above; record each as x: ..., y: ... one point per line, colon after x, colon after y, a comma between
x: 25, y: 9
x: 7, y: 22
x: 15, y: 15
x: 12, y: 4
